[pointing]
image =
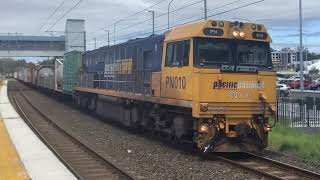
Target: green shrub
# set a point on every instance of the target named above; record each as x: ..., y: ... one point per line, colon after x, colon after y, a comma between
x: 288, y: 140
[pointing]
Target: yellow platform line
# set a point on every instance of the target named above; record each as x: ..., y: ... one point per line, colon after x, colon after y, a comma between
x: 11, y: 167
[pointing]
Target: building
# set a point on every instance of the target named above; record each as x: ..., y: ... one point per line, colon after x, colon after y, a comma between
x: 285, y: 59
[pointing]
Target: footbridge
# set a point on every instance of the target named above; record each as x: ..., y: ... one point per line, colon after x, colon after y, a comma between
x: 32, y: 46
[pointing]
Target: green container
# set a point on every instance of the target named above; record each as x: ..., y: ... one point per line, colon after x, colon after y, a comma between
x: 71, y: 66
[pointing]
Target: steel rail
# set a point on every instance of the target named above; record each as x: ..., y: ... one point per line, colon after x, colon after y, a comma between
x: 267, y: 167
x: 101, y: 162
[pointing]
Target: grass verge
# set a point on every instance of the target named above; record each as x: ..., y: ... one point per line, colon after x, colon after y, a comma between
x: 293, y: 141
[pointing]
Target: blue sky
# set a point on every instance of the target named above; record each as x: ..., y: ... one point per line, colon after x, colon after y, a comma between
x: 34, y: 17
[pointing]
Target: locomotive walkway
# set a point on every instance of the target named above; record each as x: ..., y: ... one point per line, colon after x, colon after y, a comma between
x: 23, y: 155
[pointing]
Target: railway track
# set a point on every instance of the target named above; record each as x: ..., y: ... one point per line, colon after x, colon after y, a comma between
x: 267, y: 167
x: 83, y: 161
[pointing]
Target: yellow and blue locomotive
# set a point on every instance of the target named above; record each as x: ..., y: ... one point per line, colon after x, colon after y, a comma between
x: 209, y: 82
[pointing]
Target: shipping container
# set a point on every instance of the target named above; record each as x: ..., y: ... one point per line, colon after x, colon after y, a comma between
x: 34, y: 72
x: 58, y: 73
x: 45, y: 77
x: 15, y: 75
x: 123, y: 67
x: 71, y: 66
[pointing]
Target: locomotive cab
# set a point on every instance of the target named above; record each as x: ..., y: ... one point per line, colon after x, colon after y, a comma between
x: 224, y: 69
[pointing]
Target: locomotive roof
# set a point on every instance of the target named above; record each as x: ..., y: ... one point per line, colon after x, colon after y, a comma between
x: 197, y: 29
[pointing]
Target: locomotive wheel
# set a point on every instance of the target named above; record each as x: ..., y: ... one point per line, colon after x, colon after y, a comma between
x: 92, y: 103
x: 178, y: 125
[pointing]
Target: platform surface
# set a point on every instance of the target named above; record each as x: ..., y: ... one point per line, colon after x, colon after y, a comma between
x: 37, y: 160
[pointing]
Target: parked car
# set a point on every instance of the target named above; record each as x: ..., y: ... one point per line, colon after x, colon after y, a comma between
x: 283, y: 90
x: 284, y: 81
x: 296, y: 84
x: 295, y: 78
x: 315, y: 84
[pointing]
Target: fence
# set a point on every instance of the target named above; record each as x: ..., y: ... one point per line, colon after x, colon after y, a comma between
x: 299, y: 113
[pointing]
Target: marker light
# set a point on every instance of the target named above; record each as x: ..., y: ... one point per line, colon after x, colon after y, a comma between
x: 242, y: 34
x: 221, y: 24
x: 259, y: 27
x: 214, y: 23
x: 254, y: 27
x: 236, y: 33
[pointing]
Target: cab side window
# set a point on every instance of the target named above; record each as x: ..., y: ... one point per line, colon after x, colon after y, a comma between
x: 177, y: 53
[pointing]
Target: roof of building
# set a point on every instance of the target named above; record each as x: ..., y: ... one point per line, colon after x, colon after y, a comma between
x: 32, y: 38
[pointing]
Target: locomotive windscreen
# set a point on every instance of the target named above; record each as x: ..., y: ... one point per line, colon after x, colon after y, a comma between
x: 215, y: 53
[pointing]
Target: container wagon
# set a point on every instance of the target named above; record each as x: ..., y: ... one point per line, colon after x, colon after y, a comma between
x: 71, y: 67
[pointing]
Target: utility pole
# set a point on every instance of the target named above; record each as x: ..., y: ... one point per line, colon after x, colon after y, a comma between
x: 152, y: 21
x: 95, y: 43
x: 301, y: 48
x: 205, y: 10
x: 108, y: 36
x: 169, y: 14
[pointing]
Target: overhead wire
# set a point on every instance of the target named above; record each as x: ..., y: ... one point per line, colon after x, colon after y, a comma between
x: 67, y: 12
x: 141, y: 22
x: 52, y: 14
x: 134, y: 14
x: 216, y: 14
x: 223, y: 12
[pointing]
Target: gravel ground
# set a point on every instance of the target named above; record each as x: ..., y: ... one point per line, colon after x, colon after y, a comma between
x: 293, y: 160
x: 140, y: 156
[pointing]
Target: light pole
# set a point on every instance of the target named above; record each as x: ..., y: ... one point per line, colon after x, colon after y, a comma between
x: 107, y: 30
x: 205, y: 10
x: 114, y: 28
x: 169, y: 14
x: 152, y: 21
x: 301, y: 48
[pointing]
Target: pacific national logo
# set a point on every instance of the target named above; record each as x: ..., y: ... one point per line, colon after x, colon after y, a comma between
x: 238, y: 85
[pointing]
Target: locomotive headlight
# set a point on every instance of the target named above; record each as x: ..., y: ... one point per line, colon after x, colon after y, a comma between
x: 242, y: 34
x: 204, y: 107
x: 236, y: 33
x: 204, y: 128
x: 267, y: 127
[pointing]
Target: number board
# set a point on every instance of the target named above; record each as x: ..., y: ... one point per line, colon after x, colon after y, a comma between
x: 260, y: 35
x: 213, y: 32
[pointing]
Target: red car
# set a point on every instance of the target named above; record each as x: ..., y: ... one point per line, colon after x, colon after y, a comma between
x: 296, y: 84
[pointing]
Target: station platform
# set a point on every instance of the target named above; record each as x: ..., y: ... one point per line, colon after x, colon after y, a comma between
x: 22, y: 154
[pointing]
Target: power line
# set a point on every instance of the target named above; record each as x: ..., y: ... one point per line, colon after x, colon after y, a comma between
x: 194, y: 16
x: 139, y: 23
x: 164, y: 29
x: 212, y: 15
x: 134, y: 14
x: 53, y: 13
x: 183, y: 7
x: 73, y: 7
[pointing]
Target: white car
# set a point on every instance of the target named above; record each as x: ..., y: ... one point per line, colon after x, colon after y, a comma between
x: 283, y: 90
x: 295, y: 78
